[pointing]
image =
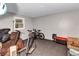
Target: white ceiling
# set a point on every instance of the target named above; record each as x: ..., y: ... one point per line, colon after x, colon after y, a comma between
x: 42, y: 9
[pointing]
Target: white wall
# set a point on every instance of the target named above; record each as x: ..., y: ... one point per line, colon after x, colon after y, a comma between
x: 7, y: 22
x: 63, y: 24
x: 28, y: 26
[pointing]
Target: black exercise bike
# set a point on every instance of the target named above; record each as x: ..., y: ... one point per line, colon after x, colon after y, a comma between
x: 38, y: 34
x: 30, y: 41
x: 33, y: 34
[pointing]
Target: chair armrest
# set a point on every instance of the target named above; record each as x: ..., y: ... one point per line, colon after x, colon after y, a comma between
x: 22, y: 49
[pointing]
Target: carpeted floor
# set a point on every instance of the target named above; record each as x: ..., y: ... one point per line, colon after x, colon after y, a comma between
x: 48, y: 48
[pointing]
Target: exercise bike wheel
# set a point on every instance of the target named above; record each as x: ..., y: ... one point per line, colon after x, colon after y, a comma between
x: 41, y: 36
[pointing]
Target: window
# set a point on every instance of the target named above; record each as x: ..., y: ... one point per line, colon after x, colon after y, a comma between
x: 19, y: 23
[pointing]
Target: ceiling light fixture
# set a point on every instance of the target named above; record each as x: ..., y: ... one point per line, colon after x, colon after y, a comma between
x: 3, y: 8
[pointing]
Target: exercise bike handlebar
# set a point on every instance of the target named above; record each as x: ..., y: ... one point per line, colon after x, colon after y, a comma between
x: 29, y: 30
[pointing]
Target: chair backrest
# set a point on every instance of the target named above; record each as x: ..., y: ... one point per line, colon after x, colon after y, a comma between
x: 14, y: 37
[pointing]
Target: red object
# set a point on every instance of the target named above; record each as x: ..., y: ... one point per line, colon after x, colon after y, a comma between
x: 61, y: 38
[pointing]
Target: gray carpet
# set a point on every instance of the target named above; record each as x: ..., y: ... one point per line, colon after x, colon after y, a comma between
x: 48, y: 48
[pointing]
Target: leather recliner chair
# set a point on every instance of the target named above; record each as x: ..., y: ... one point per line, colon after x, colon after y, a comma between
x: 14, y: 39
x: 73, y: 43
x: 73, y: 46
